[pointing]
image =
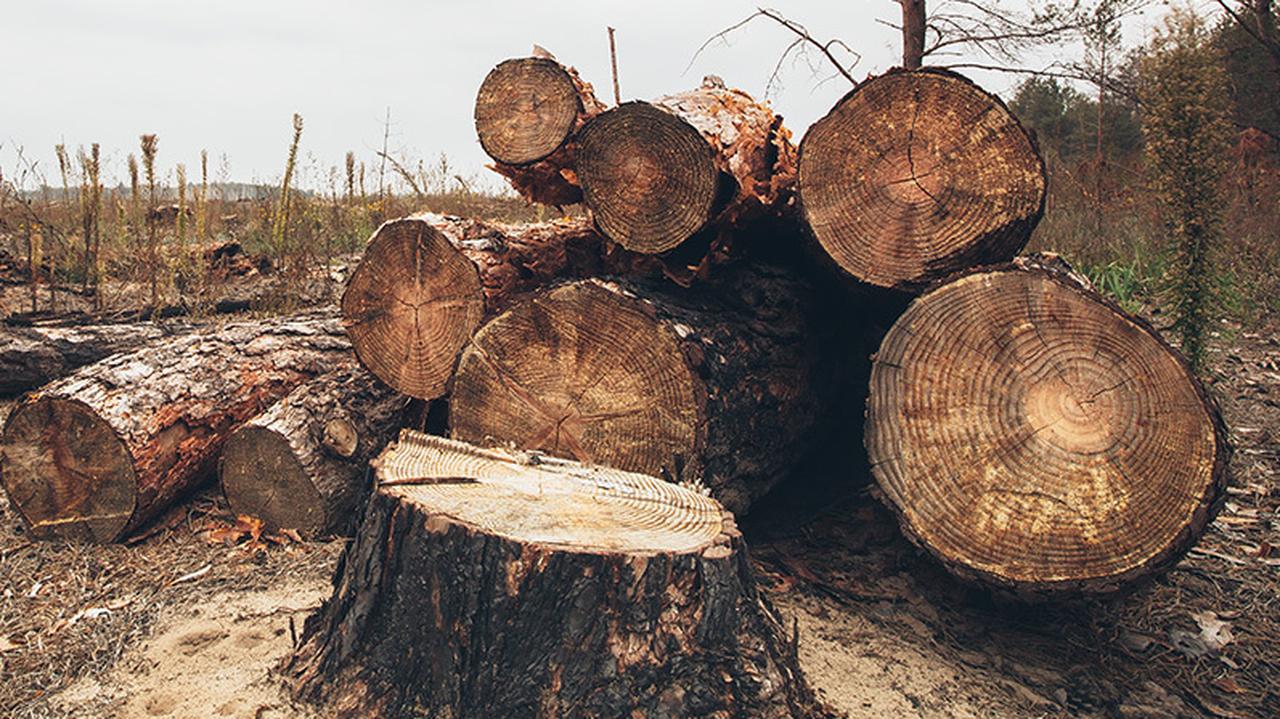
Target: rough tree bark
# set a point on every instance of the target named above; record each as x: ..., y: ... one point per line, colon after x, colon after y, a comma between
x: 527, y: 113
x: 723, y: 387
x: 97, y: 454
x: 33, y: 356
x: 699, y: 163
x: 486, y: 584
x: 913, y: 31
x: 1033, y: 436
x: 426, y: 282
x: 917, y: 175
x: 303, y: 464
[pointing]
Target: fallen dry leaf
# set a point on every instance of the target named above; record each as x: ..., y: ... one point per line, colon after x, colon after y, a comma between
x: 1214, y: 632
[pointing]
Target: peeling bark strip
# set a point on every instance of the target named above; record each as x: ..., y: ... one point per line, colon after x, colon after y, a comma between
x: 656, y: 173
x: 33, y: 356
x: 1034, y: 436
x: 486, y: 584
x: 722, y: 385
x: 527, y: 112
x: 303, y: 464
x: 426, y: 282
x: 97, y: 454
x: 914, y: 176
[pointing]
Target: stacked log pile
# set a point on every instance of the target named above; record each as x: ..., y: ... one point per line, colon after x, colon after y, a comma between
x: 705, y: 325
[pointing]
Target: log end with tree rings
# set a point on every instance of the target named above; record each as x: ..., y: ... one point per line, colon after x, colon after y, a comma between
x: 1033, y: 436
x: 916, y: 175
x: 262, y: 477
x: 526, y: 109
x: 582, y: 371
x: 648, y: 176
x: 486, y: 583
x: 411, y: 304
x: 66, y: 471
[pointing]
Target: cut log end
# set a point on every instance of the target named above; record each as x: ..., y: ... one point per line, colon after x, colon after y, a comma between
x: 648, y: 176
x: 585, y: 372
x: 917, y: 175
x: 1034, y: 436
x: 526, y: 109
x: 484, y: 583
x: 410, y: 306
x: 66, y: 471
x: 262, y: 477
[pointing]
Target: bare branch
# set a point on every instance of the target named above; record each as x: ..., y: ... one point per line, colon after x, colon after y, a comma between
x: 803, y: 39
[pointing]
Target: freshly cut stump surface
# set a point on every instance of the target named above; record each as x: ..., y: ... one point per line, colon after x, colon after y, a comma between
x: 410, y: 305
x: 526, y: 109
x: 915, y: 175
x: 487, y: 584
x: 1032, y: 435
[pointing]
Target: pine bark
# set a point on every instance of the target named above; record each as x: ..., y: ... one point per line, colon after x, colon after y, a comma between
x: 528, y: 112
x: 303, y: 464
x: 680, y: 174
x: 34, y: 356
x: 482, y: 584
x: 916, y: 175
x: 1033, y: 436
x: 426, y: 283
x: 97, y: 454
x: 722, y: 384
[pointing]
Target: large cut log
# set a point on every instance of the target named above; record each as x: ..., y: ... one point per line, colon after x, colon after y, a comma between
x: 487, y: 584
x: 655, y: 174
x: 426, y: 282
x: 1034, y: 436
x: 303, y: 464
x: 97, y: 454
x: 33, y: 356
x: 527, y: 113
x: 723, y: 387
x: 917, y: 175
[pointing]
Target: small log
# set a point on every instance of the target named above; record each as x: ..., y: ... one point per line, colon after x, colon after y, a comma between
x: 527, y: 113
x: 1033, y: 436
x: 33, y: 356
x: 655, y: 174
x: 724, y: 387
x: 303, y: 463
x: 97, y: 454
x: 488, y: 584
x: 916, y: 175
x: 426, y: 282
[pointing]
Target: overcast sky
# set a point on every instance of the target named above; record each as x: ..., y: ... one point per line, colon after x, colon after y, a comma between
x: 228, y: 75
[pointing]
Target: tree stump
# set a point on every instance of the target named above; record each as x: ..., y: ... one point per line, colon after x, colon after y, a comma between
x: 527, y: 113
x: 916, y: 175
x: 97, y: 454
x: 33, y: 356
x: 303, y: 464
x: 1033, y: 436
x: 488, y: 584
x: 426, y: 282
x: 656, y: 173
x: 723, y: 387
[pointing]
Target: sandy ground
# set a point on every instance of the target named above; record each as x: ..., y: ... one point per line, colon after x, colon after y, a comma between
x: 212, y: 659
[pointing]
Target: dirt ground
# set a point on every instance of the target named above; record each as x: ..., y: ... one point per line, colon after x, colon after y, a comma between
x: 181, y: 624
